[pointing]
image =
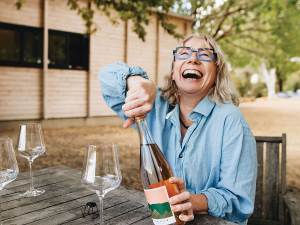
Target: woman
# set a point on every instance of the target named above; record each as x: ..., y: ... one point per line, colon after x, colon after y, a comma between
x: 196, y: 124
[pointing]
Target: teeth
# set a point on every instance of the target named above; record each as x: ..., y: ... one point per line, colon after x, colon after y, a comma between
x: 195, y: 72
x: 192, y: 72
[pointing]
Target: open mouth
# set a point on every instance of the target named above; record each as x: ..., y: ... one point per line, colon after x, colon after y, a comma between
x: 192, y: 74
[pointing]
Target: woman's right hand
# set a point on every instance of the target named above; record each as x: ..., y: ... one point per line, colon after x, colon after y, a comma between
x: 140, y: 98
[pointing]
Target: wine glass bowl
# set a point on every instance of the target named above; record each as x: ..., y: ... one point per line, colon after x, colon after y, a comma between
x: 30, y: 145
x: 9, y: 169
x: 101, y: 171
x: 8, y: 164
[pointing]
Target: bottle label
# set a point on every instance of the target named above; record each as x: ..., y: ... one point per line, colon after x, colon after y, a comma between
x: 160, y: 209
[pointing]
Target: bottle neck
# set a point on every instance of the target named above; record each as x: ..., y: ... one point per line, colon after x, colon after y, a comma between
x: 143, y: 130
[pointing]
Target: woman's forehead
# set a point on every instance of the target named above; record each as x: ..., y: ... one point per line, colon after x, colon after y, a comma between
x: 196, y: 43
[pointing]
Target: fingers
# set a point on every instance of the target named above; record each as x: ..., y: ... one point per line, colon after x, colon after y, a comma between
x: 181, y: 207
x: 188, y: 216
x: 179, y: 182
x: 140, y: 98
x: 182, y: 197
x: 132, y: 105
x: 128, y: 123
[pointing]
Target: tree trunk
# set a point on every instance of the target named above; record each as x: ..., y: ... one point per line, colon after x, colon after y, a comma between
x: 280, y: 83
x: 270, y: 79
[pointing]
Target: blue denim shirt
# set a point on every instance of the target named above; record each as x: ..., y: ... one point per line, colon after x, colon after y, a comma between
x: 217, y: 156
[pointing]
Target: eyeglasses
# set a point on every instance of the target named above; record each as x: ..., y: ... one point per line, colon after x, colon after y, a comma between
x: 203, y: 54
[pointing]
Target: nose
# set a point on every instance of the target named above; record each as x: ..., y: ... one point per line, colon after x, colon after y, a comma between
x: 193, y: 58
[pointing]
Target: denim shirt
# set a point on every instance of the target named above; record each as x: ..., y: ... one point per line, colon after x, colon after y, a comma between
x: 217, y: 156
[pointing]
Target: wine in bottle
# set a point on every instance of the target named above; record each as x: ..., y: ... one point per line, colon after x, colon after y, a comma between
x: 155, y: 173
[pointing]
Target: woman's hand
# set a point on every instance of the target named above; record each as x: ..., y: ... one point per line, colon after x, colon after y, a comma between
x: 182, y: 202
x: 140, y: 98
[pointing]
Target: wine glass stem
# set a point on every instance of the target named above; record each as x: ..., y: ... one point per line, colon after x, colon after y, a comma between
x: 101, y: 209
x: 31, y: 177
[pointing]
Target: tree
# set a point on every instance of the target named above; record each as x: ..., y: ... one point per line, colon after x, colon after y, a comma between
x: 137, y: 11
x: 251, y: 32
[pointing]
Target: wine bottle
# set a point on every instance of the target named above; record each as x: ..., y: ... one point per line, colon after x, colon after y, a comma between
x: 155, y: 172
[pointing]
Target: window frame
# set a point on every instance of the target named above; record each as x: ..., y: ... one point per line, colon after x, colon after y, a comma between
x: 67, y: 50
x: 40, y: 30
x: 21, y: 29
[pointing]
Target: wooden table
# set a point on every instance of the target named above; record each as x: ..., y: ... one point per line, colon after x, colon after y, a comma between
x: 65, y: 198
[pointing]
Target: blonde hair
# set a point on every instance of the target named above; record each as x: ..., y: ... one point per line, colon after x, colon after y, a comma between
x: 222, y: 92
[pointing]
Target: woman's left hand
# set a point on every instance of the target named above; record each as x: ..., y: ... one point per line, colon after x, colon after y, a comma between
x: 181, y: 202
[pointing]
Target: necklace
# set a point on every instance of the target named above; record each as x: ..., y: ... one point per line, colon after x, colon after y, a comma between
x: 185, y: 126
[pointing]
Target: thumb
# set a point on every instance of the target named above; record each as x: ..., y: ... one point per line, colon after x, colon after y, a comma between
x: 128, y: 123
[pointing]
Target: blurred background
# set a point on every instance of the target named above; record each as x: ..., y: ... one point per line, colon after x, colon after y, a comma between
x: 51, y: 52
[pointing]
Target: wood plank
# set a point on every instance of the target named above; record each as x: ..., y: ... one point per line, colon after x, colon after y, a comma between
x: 57, y: 205
x: 272, y: 182
x: 131, y: 217
x: 130, y: 194
x: 283, y: 178
x: 292, y: 200
x: 253, y: 221
x: 47, y: 208
x: 43, y: 180
x: 208, y: 220
x: 259, y: 182
x: 268, y: 139
x: 69, y: 215
x: 43, y: 171
x: 51, y: 191
x: 109, y: 213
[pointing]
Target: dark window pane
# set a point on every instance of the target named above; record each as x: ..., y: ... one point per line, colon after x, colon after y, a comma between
x: 33, y: 47
x: 9, y: 45
x: 57, y: 50
x: 77, y: 46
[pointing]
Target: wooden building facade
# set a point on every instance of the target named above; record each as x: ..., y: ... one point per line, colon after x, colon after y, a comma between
x: 45, y: 92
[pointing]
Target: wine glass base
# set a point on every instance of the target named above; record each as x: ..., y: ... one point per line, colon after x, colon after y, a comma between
x: 32, y: 193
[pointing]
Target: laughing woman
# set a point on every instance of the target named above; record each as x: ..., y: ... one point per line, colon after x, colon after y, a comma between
x: 195, y: 122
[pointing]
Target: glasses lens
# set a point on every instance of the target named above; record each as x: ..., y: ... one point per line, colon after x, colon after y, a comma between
x: 205, y: 54
x: 183, y: 53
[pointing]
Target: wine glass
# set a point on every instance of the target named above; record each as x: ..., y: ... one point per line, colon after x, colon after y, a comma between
x: 8, y: 164
x: 30, y: 145
x: 101, y: 171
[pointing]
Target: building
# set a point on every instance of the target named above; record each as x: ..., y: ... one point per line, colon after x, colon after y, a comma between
x: 52, y: 73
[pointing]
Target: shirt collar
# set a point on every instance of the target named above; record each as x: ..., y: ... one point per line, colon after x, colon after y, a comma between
x: 204, y: 107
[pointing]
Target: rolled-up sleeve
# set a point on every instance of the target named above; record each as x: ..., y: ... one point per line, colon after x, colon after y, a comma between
x: 113, y: 84
x: 233, y: 197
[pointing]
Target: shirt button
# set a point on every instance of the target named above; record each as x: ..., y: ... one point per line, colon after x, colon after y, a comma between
x: 180, y: 156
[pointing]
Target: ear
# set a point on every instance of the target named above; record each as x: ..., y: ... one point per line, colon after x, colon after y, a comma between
x: 172, y: 74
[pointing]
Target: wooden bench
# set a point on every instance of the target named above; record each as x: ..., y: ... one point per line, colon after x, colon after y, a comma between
x: 274, y: 204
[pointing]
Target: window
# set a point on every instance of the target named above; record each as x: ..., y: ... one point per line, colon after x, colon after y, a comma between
x: 68, y: 50
x: 21, y: 46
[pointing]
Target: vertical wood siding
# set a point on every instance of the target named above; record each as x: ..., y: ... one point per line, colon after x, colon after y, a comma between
x: 67, y: 93
x: 67, y: 90
x: 63, y: 19
x: 108, y: 47
x: 141, y: 53
x: 31, y: 13
x: 20, y: 93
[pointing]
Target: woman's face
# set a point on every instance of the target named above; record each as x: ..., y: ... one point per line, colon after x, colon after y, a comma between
x: 192, y: 76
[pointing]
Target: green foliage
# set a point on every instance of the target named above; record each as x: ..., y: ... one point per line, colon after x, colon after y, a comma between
x: 251, y: 32
x: 137, y: 11
x: 241, y: 79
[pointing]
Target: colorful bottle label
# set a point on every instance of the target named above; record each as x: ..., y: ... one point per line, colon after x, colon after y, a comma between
x: 160, y: 209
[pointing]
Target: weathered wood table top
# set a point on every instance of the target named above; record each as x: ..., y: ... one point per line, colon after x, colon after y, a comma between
x: 65, y: 199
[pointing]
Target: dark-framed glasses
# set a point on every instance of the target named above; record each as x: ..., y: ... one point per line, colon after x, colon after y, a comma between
x: 203, y: 54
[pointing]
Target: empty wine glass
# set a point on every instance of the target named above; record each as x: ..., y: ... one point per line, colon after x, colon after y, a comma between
x: 101, y: 171
x: 30, y: 145
x: 8, y: 164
